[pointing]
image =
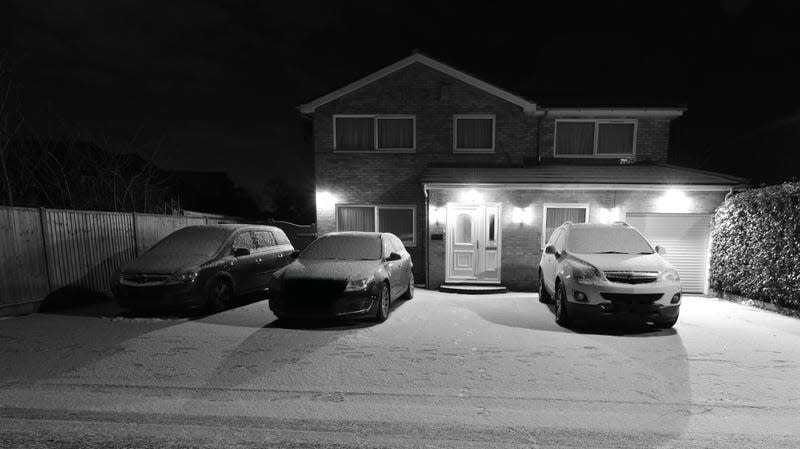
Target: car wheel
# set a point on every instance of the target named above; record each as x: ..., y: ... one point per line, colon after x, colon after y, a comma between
x: 667, y: 324
x: 410, y: 290
x: 562, y: 316
x: 383, y: 304
x: 544, y: 295
x: 219, y: 295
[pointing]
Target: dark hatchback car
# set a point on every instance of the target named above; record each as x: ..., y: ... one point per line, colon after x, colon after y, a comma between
x: 203, y: 267
x: 344, y: 275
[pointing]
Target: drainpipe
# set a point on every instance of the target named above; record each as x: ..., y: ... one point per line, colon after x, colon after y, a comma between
x: 729, y: 194
x: 427, y: 236
x: 539, y: 139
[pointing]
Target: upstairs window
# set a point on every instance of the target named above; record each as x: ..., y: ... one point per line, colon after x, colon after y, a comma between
x: 373, y: 132
x: 595, y: 138
x: 473, y: 133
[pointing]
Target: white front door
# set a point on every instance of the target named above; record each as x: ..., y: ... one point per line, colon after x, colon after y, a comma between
x: 473, y: 243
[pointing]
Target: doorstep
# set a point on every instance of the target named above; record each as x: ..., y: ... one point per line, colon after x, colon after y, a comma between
x: 473, y: 289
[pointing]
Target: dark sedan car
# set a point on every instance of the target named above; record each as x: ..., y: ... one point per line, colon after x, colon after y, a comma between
x: 344, y: 275
x: 203, y: 267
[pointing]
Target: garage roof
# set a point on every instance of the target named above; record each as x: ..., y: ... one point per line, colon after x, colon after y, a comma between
x: 655, y: 174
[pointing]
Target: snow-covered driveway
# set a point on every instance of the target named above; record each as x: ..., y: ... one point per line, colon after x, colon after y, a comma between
x: 446, y: 370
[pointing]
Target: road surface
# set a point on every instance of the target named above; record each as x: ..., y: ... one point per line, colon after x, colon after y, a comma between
x: 445, y: 370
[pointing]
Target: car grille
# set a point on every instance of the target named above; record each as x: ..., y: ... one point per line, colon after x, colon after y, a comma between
x: 144, y: 279
x: 632, y: 298
x: 632, y: 277
x: 314, y: 291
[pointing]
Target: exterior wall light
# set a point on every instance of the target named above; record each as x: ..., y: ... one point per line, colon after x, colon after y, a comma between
x: 325, y: 200
x: 438, y: 215
x: 521, y: 215
x: 472, y: 196
x: 674, y: 201
x: 608, y: 215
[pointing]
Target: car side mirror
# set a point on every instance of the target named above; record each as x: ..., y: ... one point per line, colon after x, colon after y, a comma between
x: 661, y: 250
x: 239, y: 252
x: 393, y: 256
x: 295, y: 254
x: 550, y: 249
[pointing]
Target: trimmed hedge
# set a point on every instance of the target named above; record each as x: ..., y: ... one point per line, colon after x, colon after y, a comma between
x: 755, y: 247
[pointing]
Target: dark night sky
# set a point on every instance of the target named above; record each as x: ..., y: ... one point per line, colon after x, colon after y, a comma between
x: 219, y: 81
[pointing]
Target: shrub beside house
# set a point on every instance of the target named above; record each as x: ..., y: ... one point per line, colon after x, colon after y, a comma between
x: 755, y: 250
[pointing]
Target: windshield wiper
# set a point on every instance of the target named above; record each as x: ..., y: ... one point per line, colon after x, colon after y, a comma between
x: 612, y: 252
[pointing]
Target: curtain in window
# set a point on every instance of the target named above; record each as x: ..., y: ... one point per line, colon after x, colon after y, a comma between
x: 474, y: 133
x: 351, y: 218
x: 355, y: 133
x: 615, y: 138
x: 399, y: 222
x: 556, y: 216
x: 395, y: 133
x: 574, y: 138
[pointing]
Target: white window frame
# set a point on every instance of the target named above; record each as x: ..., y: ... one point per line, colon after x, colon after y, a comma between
x: 375, y: 118
x: 560, y: 206
x: 375, y: 209
x: 597, y: 123
x: 473, y: 150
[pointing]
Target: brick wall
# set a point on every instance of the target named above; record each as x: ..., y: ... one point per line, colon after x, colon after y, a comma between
x: 372, y: 178
x: 652, y: 137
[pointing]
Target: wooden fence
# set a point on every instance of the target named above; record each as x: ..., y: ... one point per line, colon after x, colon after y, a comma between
x: 43, y: 251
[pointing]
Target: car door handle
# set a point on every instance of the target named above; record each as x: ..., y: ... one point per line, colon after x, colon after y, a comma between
x: 280, y: 256
x: 258, y: 260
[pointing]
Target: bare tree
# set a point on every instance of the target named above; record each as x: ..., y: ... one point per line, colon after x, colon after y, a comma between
x: 10, y: 124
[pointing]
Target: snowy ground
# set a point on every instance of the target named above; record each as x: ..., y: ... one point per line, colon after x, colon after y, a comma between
x: 444, y: 371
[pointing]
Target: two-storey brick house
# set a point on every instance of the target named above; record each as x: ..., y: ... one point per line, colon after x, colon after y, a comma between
x: 473, y: 178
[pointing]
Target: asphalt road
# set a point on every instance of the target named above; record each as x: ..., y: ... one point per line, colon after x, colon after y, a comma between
x: 444, y: 371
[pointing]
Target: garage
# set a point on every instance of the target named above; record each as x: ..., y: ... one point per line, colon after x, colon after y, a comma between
x: 685, y: 237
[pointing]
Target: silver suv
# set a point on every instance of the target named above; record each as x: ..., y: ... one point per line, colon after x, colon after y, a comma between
x: 601, y: 271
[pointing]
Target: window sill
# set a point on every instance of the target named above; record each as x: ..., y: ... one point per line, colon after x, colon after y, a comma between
x: 473, y: 151
x: 374, y: 151
x: 592, y: 156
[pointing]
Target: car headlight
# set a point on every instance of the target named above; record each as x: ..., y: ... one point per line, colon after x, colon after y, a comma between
x: 182, y: 277
x: 584, y: 272
x: 670, y: 275
x: 357, y: 285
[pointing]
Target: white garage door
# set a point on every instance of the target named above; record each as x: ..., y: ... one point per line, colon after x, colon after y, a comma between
x: 685, y: 237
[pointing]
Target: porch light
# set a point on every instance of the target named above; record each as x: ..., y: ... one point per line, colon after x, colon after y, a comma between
x: 674, y: 201
x: 522, y: 215
x: 325, y: 200
x: 608, y: 215
x: 438, y: 215
x: 471, y: 196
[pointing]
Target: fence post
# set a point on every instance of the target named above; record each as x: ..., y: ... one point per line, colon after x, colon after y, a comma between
x: 45, y: 244
x: 135, y: 236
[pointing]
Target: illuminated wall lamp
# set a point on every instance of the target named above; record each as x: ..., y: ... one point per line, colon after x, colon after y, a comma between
x: 521, y: 215
x: 674, y: 201
x: 325, y: 200
x: 439, y: 215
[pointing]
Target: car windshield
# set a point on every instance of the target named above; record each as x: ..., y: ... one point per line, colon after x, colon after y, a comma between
x: 199, y: 240
x: 344, y: 247
x: 616, y: 240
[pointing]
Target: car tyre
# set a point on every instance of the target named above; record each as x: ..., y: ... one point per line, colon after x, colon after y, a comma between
x: 562, y: 316
x: 219, y: 295
x: 544, y: 295
x: 383, y: 304
x: 410, y: 290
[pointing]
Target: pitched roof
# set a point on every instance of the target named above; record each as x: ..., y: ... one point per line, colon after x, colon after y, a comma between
x: 526, y: 104
x: 607, y: 176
